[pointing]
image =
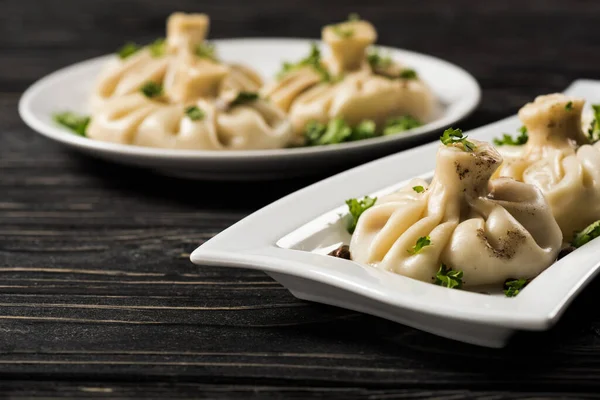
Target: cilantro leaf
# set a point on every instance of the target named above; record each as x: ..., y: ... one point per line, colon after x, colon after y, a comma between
x: 337, y: 132
x: 206, y: 50
x: 313, y: 60
x: 418, y: 189
x: 356, y: 208
x: 366, y: 129
x: 313, y: 132
x: 194, y: 113
x: 594, y: 130
x: 77, y: 123
x: 400, y: 124
x: 157, y: 48
x: 152, y: 89
x: 569, y: 106
x: 376, y: 60
x: 514, y: 287
x: 423, y: 241
x: 408, y: 73
x: 452, y: 136
x: 591, y: 232
x: 509, y: 140
x: 127, y: 50
x: 244, y: 97
x: 449, y: 278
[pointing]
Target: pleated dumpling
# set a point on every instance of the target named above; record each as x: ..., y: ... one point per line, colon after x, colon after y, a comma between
x: 348, y: 42
x: 559, y: 159
x: 363, y: 96
x: 491, y: 230
x: 184, y: 64
x: 203, y: 125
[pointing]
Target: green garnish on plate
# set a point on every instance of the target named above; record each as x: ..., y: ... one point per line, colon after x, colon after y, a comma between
x: 74, y: 122
x: 356, y: 208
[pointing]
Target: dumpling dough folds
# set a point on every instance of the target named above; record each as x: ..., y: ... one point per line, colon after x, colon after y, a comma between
x: 559, y: 160
x: 492, y: 230
x: 137, y: 120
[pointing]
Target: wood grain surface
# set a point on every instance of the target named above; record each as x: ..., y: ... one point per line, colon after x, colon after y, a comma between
x: 99, y: 300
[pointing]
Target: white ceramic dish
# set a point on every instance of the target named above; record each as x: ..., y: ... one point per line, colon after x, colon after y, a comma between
x: 289, y: 239
x: 69, y: 88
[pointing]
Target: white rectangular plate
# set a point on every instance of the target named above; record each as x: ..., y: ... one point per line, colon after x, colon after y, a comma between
x: 289, y: 240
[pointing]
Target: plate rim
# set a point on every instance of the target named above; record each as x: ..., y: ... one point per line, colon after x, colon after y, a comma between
x: 61, y: 135
x: 234, y: 248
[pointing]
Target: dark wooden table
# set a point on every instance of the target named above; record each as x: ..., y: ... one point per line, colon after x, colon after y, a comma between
x: 98, y: 298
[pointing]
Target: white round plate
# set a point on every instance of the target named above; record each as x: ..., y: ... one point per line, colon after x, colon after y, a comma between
x: 68, y: 90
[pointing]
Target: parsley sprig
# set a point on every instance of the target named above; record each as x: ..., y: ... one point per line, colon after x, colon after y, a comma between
x: 408, y: 73
x: 313, y: 60
x: 158, y: 47
x: 76, y: 123
x: 378, y: 61
x: 514, y: 287
x: 594, y: 129
x: 418, y: 189
x: 422, y: 242
x: 507, y: 139
x: 569, y: 106
x: 128, y: 49
x: 591, y: 232
x: 152, y: 89
x: 453, y: 136
x: 356, y: 208
x: 243, y: 98
x: 449, y: 278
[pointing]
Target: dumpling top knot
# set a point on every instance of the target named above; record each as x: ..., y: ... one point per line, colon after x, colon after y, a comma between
x: 555, y: 120
x: 186, y: 31
x: 348, y: 42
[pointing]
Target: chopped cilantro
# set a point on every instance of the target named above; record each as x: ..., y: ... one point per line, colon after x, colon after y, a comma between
x: 400, y: 124
x: 449, y: 278
x: 157, y: 48
x: 356, y: 208
x: 423, y: 241
x: 244, y: 97
x: 589, y: 233
x: 366, y: 129
x: 594, y: 130
x: 312, y: 60
x: 507, y: 139
x: 569, y: 106
x: 344, y: 33
x: 452, y: 136
x: 376, y: 60
x: 152, y: 89
x: 77, y: 123
x: 408, y: 73
x: 206, y: 50
x: 194, y: 113
x: 418, y: 189
x: 337, y: 132
x: 127, y: 50
x: 514, y: 287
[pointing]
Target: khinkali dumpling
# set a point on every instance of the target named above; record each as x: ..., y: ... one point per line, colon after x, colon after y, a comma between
x: 492, y: 230
x: 348, y: 42
x: 559, y: 160
x: 203, y: 125
x: 186, y: 31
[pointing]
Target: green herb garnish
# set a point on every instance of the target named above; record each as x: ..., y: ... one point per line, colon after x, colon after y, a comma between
x: 194, y: 113
x: 243, y: 98
x: 514, y: 287
x: 206, y: 50
x: 449, y: 278
x: 509, y: 140
x: 152, y: 89
x: 423, y: 241
x: 157, y: 48
x: 77, y: 123
x: 594, y: 130
x: 408, y: 73
x: 127, y: 50
x: 343, y: 32
x: 589, y: 233
x: 337, y: 131
x: 418, y: 189
x: 569, y: 106
x: 312, y: 60
x: 376, y: 60
x: 453, y: 136
x: 356, y: 208
x: 400, y: 124
x: 366, y: 129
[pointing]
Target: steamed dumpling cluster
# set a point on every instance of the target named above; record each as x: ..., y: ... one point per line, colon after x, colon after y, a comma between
x: 490, y: 229
x: 176, y: 94
x: 559, y: 159
x: 353, y: 84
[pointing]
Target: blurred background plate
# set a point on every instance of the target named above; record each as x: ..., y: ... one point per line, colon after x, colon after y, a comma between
x: 68, y: 89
